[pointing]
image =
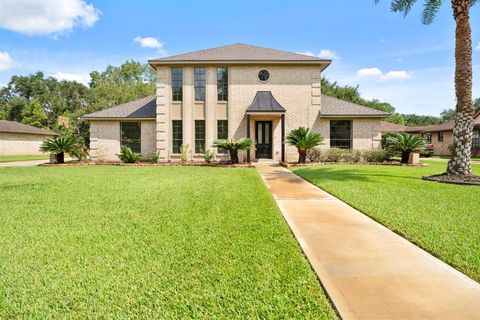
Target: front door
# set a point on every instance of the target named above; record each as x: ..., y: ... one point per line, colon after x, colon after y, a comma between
x: 263, y: 138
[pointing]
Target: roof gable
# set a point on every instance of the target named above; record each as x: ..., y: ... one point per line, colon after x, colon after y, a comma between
x: 240, y: 53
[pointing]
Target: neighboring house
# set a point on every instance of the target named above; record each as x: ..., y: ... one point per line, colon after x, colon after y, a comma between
x: 440, y: 136
x: 20, y: 139
x: 235, y: 91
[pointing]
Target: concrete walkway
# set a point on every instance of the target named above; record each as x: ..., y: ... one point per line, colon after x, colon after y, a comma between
x: 29, y: 163
x: 368, y: 271
x: 446, y: 160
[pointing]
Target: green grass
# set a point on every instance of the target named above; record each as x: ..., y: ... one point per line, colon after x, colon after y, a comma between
x: 448, y: 157
x: 24, y: 158
x: 148, y: 242
x: 444, y: 219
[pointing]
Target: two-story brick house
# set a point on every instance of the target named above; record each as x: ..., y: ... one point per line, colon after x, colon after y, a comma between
x: 233, y: 91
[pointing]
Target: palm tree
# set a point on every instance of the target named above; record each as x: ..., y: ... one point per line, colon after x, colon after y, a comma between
x: 233, y: 146
x: 405, y: 144
x: 304, y: 140
x: 59, y: 146
x: 459, y: 165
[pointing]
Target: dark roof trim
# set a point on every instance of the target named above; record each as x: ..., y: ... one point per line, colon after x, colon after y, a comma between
x: 265, y: 102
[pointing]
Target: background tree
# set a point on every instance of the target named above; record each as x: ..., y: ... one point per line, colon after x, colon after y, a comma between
x: 459, y: 165
x: 34, y: 115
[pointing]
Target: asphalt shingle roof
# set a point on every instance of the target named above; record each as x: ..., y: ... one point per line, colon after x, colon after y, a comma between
x: 241, y: 53
x: 333, y: 107
x: 144, y: 108
x: 265, y: 102
x: 17, y: 127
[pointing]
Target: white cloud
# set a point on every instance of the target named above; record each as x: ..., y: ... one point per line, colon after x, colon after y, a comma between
x: 478, y: 47
x: 83, y: 78
x: 148, y: 42
x: 377, y: 73
x: 396, y: 75
x: 6, y: 62
x: 369, y: 72
x: 43, y: 17
x: 324, y: 54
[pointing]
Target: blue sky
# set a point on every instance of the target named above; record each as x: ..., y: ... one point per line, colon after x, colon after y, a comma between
x: 392, y: 58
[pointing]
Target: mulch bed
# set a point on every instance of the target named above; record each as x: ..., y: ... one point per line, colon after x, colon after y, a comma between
x: 388, y: 163
x: 148, y: 164
x: 444, y: 178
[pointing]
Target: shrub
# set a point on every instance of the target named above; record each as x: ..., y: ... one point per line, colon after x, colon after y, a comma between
x: 405, y: 144
x: 314, y: 155
x: 303, y: 139
x: 184, y: 152
x: 59, y: 146
x: 233, y: 146
x: 334, y: 155
x: 154, y: 156
x: 375, y: 155
x: 353, y: 156
x: 208, y: 155
x: 128, y: 156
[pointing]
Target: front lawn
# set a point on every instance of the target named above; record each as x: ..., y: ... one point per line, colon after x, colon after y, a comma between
x: 24, y: 158
x: 149, y: 243
x: 444, y: 219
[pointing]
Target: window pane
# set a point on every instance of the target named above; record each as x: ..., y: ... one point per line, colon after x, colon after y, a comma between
x: 341, y: 134
x: 222, y: 84
x: 199, y: 136
x: 476, y: 140
x: 199, y: 84
x: 177, y: 135
x: 222, y: 133
x: 131, y: 135
x: 177, y: 84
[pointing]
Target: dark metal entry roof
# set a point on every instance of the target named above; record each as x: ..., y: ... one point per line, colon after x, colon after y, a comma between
x: 265, y: 102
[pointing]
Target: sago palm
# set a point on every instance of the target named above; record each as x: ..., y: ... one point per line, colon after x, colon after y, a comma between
x: 303, y: 139
x: 59, y: 146
x: 233, y: 146
x: 405, y: 144
x: 459, y: 164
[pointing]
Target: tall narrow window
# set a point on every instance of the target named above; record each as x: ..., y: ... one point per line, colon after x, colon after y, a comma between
x: 222, y: 84
x: 476, y: 140
x: 440, y: 136
x: 341, y: 134
x: 177, y: 135
x: 428, y: 137
x: 222, y: 133
x: 199, y: 136
x: 177, y: 84
x: 199, y: 84
x: 131, y: 135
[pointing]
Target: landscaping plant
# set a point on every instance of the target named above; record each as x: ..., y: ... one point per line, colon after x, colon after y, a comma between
x: 303, y: 139
x: 405, y: 144
x: 184, y: 152
x: 154, y: 156
x: 128, y: 156
x: 208, y: 156
x: 59, y: 146
x: 233, y: 146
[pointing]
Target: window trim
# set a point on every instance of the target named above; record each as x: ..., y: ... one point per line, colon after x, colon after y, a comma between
x: 204, y: 86
x: 350, y: 137
x: 476, y: 146
x: 140, y: 135
x: 440, y: 136
x: 172, y: 81
x: 223, y: 84
x: 173, y: 138
x: 220, y: 150
x: 199, y: 151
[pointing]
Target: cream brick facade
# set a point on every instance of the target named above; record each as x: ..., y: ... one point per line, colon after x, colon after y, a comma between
x: 21, y: 143
x: 105, y: 139
x: 296, y: 88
